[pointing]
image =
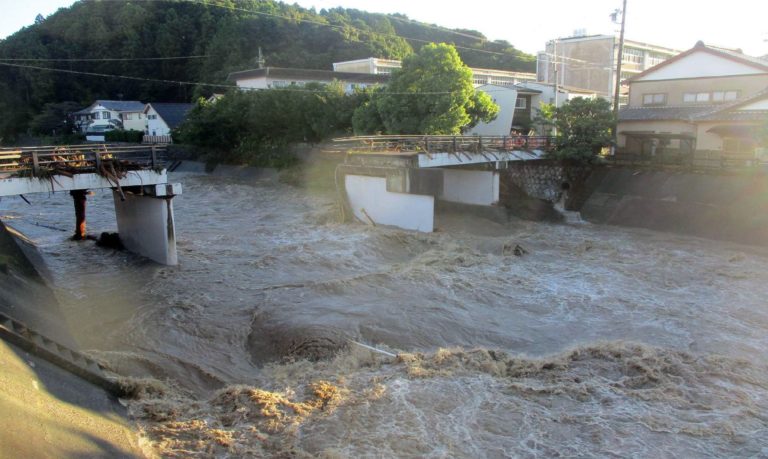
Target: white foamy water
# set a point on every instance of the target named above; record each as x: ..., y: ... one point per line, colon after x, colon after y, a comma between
x: 596, y: 342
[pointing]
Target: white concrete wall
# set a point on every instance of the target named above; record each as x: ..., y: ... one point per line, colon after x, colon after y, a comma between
x: 470, y: 187
x: 255, y: 83
x: 369, y: 199
x: 147, y: 227
x: 505, y: 98
x: 700, y: 64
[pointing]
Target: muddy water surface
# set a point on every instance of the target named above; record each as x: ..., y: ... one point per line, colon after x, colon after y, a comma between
x: 596, y: 342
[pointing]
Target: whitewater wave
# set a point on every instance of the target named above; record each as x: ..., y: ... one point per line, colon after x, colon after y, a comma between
x: 594, y: 400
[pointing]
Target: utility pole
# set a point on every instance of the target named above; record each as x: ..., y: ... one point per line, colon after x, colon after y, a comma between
x: 618, y: 70
x: 260, y: 60
x: 554, y: 61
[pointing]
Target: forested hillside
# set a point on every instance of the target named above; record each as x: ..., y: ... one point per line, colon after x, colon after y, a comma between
x: 226, y: 33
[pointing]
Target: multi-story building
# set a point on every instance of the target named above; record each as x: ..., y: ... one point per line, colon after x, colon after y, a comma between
x: 704, y: 99
x: 480, y: 77
x: 589, y: 62
x: 276, y: 78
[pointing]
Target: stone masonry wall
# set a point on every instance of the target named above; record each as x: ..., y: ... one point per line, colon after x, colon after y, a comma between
x: 545, y: 179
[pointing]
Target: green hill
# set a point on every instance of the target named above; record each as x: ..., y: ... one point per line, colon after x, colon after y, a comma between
x: 226, y: 32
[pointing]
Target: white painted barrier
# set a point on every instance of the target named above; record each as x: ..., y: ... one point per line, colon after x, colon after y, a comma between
x: 370, y: 201
x: 470, y: 187
x: 146, y: 226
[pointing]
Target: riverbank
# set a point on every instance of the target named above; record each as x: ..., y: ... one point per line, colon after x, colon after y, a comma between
x: 47, y: 411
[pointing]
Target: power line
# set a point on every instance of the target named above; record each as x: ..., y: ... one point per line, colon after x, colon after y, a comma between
x: 336, y: 27
x: 215, y: 85
x: 99, y: 59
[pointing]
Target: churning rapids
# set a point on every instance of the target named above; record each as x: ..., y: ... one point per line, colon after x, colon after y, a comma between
x: 598, y: 341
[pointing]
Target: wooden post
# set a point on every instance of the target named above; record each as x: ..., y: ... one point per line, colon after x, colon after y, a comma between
x: 35, y: 164
x: 154, y: 157
x: 79, y: 197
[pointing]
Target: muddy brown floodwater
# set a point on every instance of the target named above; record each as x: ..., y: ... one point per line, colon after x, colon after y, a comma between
x: 599, y: 341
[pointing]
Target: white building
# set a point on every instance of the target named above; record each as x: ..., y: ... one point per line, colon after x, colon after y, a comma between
x: 589, y: 62
x: 506, y: 98
x: 106, y: 115
x: 480, y: 77
x: 276, y: 78
x: 162, y: 118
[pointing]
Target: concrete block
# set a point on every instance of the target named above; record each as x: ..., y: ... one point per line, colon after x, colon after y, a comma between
x: 372, y: 203
x: 146, y: 226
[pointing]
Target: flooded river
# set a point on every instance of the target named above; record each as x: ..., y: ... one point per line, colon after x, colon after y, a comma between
x: 590, y: 341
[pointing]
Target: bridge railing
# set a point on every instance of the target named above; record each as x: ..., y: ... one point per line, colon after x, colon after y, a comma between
x: 441, y: 143
x: 75, y: 159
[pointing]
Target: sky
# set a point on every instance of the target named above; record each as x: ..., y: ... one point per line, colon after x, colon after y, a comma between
x: 677, y: 24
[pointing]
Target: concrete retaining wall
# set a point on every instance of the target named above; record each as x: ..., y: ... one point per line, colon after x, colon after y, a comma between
x: 48, y: 411
x: 728, y: 207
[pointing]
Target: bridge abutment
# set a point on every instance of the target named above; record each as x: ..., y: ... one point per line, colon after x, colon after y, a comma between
x: 145, y: 222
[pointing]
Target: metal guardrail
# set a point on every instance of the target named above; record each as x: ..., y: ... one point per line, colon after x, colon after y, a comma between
x: 442, y: 143
x: 73, y: 159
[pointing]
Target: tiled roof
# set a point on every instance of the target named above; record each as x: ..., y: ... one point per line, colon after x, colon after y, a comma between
x: 121, y: 105
x: 309, y: 75
x: 736, y: 115
x: 172, y: 114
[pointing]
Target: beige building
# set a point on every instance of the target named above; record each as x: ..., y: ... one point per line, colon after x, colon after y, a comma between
x: 276, y: 78
x: 589, y: 62
x: 480, y: 77
x: 705, y: 99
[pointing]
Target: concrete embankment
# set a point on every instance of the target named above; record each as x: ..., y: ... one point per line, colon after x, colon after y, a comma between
x: 721, y: 206
x: 46, y: 411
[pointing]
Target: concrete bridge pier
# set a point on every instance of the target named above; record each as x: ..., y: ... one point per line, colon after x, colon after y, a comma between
x: 477, y: 187
x: 79, y: 198
x: 145, y: 221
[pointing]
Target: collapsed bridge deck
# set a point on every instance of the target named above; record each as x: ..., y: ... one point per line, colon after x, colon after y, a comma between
x: 136, y: 175
x: 395, y: 180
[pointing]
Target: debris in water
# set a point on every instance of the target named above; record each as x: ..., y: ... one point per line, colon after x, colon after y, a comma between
x: 517, y: 250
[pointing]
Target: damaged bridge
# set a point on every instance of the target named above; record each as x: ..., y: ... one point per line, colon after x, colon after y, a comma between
x: 136, y: 175
x: 396, y: 180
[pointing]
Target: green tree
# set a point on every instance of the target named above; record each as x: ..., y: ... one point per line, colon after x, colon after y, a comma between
x: 54, y: 119
x: 431, y: 94
x: 583, y: 128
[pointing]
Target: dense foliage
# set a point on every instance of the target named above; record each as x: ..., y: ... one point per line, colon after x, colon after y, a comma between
x: 226, y: 31
x: 431, y: 94
x: 584, y: 127
x: 256, y: 127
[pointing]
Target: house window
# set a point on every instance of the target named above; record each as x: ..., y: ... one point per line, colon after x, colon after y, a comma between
x: 151, y: 117
x: 656, y: 59
x: 654, y: 99
x: 128, y: 116
x: 632, y: 56
x: 106, y: 115
x: 279, y: 84
x: 731, y: 95
x: 521, y: 103
x: 697, y: 97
